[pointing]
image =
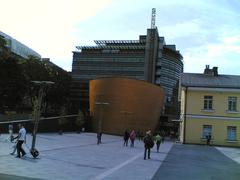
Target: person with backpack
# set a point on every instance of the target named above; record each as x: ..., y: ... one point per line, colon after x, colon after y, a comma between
x: 148, y: 144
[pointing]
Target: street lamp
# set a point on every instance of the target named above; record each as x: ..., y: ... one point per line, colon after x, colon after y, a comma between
x: 37, y: 112
x: 102, y: 105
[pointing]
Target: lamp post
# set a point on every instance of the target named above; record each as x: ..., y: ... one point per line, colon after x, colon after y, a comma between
x: 37, y: 112
x: 102, y: 105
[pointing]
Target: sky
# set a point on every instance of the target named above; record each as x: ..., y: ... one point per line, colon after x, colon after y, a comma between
x: 206, y: 32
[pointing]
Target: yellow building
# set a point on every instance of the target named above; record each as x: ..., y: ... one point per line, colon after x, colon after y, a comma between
x: 210, y: 105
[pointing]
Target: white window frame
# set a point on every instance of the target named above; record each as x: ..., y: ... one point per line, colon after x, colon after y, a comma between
x: 231, y: 133
x: 208, y: 103
x: 232, y: 103
x: 206, y: 129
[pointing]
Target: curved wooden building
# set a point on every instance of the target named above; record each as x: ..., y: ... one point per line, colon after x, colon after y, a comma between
x: 117, y: 104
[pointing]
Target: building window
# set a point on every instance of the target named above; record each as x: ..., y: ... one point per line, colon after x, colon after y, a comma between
x: 168, y: 99
x: 208, y: 102
x: 232, y: 133
x: 232, y: 103
x: 207, y: 129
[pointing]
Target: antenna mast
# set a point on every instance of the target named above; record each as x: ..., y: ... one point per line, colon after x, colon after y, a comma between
x: 153, y: 18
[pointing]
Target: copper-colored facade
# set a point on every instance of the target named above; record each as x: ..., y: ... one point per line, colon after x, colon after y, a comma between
x: 117, y: 104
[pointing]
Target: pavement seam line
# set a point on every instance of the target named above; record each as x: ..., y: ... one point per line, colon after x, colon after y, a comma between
x: 112, y: 170
x: 221, y: 150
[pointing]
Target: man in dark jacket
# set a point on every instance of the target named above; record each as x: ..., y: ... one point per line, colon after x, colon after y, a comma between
x: 148, y: 144
x: 125, y: 138
x: 208, y: 137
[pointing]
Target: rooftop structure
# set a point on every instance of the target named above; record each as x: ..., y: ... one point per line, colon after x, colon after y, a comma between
x: 211, y: 79
x: 18, y: 48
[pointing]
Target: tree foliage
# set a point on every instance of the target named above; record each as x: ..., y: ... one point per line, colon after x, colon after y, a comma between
x: 80, y: 119
x: 17, y: 74
x: 12, y: 81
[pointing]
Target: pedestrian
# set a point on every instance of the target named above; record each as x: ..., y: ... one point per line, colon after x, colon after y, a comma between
x: 21, y: 139
x: 10, y: 131
x: 132, y: 137
x: 125, y: 138
x: 138, y: 135
x: 208, y: 137
x: 141, y: 135
x: 99, y: 138
x: 158, y: 140
x: 14, y: 148
x: 148, y: 144
x: 15, y: 145
x: 163, y: 136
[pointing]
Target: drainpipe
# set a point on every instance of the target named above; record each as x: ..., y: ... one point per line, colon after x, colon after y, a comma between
x: 185, y: 111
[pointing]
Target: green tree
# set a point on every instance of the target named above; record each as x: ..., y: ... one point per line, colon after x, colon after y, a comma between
x: 17, y: 89
x: 62, y: 121
x: 38, y: 70
x: 62, y: 84
x: 3, y: 47
x: 12, y: 81
x: 33, y: 71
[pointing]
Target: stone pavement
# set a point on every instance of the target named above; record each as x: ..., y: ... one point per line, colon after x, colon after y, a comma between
x: 232, y: 153
x: 74, y: 156
x: 197, y: 162
x: 77, y: 156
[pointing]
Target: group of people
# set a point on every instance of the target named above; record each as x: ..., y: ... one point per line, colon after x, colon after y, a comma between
x: 132, y: 136
x: 149, y: 141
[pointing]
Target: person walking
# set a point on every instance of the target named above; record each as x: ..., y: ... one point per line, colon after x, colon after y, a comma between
x: 138, y: 135
x: 14, y: 148
x: 132, y: 137
x: 21, y: 139
x: 148, y: 144
x: 99, y: 138
x: 10, y: 131
x: 208, y: 137
x: 158, y: 140
x: 125, y: 138
x: 15, y: 145
x: 163, y: 136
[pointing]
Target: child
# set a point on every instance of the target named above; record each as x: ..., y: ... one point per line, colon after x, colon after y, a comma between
x: 14, y: 148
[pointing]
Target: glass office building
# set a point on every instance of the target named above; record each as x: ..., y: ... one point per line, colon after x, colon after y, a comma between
x: 149, y: 59
x: 18, y: 48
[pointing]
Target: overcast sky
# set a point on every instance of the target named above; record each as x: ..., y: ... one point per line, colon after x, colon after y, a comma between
x: 204, y: 31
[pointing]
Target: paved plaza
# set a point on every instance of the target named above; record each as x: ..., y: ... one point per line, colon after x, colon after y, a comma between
x: 73, y: 156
